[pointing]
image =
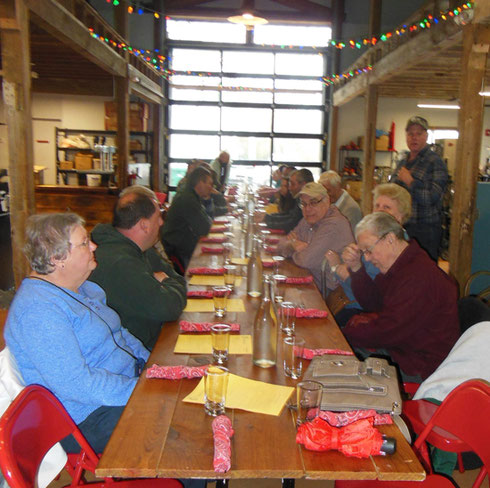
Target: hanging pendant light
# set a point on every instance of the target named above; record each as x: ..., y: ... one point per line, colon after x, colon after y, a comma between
x: 247, y: 16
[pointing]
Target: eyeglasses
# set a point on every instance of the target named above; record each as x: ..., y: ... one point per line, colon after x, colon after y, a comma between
x: 85, y: 243
x: 311, y: 203
x: 370, y: 249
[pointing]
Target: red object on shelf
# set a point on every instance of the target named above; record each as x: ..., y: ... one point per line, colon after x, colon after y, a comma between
x: 391, y: 138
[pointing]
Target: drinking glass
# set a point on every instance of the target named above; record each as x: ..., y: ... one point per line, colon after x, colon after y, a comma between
x: 279, y: 287
x: 215, y: 386
x: 230, y: 276
x: 278, y: 260
x: 220, y: 340
x: 292, y: 353
x: 309, y: 396
x: 227, y: 252
x: 220, y: 295
x: 287, y: 314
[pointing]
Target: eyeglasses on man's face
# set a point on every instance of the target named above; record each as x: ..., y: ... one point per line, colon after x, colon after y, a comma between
x: 311, y: 203
x: 369, y: 250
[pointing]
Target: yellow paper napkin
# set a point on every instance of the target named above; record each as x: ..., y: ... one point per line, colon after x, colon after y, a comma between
x: 209, y: 280
x: 206, y: 305
x: 201, y: 344
x: 242, y: 261
x: 215, y: 235
x: 249, y: 395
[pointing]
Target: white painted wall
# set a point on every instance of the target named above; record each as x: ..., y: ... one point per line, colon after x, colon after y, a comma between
x: 351, y: 121
x: 49, y: 112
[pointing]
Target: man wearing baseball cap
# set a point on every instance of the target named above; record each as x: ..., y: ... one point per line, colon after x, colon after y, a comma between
x: 322, y: 227
x: 423, y: 173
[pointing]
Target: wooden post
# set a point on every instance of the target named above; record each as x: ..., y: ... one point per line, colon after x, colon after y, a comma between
x: 333, y: 138
x: 157, y: 165
x: 122, y: 103
x: 470, y: 121
x: 16, y: 66
x: 374, y: 18
x: 370, y: 115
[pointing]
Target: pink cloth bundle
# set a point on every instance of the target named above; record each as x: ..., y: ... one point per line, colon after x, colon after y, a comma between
x: 202, y: 326
x: 220, y: 221
x: 272, y: 240
x: 268, y: 264
x: 278, y: 231
x: 175, y: 372
x: 217, y: 229
x: 310, y: 313
x: 222, y: 433
x: 270, y: 249
x: 340, y: 419
x: 212, y: 250
x: 299, y: 280
x: 310, y: 353
x: 214, y: 240
x: 199, y: 294
x: 206, y: 271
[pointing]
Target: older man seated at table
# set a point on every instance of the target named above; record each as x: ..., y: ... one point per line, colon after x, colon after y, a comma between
x: 322, y: 227
x: 410, y: 306
x: 287, y: 221
x: 340, y: 198
x: 186, y: 220
x: 140, y: 286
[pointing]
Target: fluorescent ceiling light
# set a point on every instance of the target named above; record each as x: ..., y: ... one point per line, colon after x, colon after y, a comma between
x: 438, y: 105
x: 485, y: 92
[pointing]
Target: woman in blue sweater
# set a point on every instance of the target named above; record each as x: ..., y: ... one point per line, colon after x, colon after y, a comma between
x: 62, y: 334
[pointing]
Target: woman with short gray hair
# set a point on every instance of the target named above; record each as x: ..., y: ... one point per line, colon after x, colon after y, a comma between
x: 62, y: 334
x: 393, y: 199
x: 410, y: 306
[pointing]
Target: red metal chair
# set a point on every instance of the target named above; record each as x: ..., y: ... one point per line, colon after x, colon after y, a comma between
x: 32, y: 424
x: 460, y: 423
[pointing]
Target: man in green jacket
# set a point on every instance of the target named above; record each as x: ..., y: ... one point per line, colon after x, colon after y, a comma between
x: 140, y: 286
x: 186, y: 220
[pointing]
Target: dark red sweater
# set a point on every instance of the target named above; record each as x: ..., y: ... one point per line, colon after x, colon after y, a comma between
x: 416, y: 316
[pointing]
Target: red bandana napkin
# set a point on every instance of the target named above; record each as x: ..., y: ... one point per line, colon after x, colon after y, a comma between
x: 199, y: 294
x: 222, y: 432
x: 175, y: 372
x: 220, y: 221
x: 212, y: 250
x: 310, y: 353
x: 272, y: 240
x: 214, y: 240
x: 339, y: 419
x: 217, y: 229
x: 268, y: 264
x: 270, y: 249
x: 278, y: 231
x: 206, y: 271
x: 202, y: 326
x: 310, y: 313
x: 299, y: 280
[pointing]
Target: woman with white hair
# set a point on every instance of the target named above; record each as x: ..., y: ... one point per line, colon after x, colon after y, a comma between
x: 410, y: 306
x: 62, y: 334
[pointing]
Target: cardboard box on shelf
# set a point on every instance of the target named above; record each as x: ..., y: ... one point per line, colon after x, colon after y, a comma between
x: 382, y: 143
x: 136, y: 123
x: 135, y: 145
x: 66, y: 164
x: 83, y: 161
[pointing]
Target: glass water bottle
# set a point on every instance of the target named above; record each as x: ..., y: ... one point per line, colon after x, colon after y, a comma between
x: 254, y: 271
x: 265, y: 330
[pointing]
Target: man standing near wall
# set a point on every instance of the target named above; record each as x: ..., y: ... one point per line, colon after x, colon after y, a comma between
x: 423, y: 173
x: 221, y: 166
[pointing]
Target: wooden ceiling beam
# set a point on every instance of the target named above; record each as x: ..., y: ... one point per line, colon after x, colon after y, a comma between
x: 57, y: 21
x: 183, y: 3
x: 403, y: 59
x: 307, y: 7
x: 59, y: 85
x: 271, y: 16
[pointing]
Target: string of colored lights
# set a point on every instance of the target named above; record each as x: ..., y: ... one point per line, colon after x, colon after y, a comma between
x: 154, y: 59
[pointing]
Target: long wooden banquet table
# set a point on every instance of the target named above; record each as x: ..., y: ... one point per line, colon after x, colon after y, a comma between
x: 159, y: 435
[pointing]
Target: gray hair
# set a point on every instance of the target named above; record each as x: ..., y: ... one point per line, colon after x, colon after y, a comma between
x: 399, y: 195
x: 380, y: 224
x: 48, y: 238
x: 331, y: 177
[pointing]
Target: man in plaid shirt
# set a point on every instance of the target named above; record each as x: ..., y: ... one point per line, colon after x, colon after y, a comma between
x: 423, y: 173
